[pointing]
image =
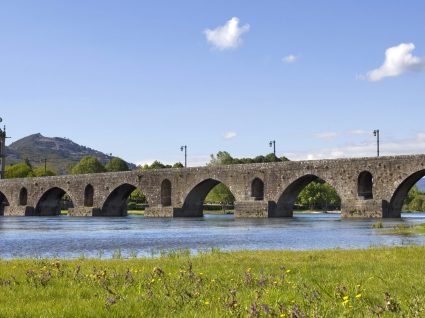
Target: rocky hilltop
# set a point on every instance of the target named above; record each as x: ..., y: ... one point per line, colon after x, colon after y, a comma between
x: 61, y: 153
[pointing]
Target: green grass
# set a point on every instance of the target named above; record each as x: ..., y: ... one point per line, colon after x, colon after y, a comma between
x: 136, y: 212
x: 387, y: 281
x: 403, y: 229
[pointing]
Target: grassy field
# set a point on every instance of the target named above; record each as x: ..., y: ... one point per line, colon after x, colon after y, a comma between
x: 387, y: 282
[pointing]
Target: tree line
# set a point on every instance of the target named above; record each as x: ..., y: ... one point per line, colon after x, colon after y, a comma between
x: 87, y: 164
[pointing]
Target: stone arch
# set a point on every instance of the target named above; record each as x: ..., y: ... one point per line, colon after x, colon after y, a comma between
x: 365, y: 185
x: 286, y: 201
x: 3, y: 203
x: 88, y: 195
x: 116, y: 202
x: 257, y: 189
x: 193, y: 205
x: 400, y: 194
x: 50, y: 202
x: 23, y: 196
x: 166, y: 192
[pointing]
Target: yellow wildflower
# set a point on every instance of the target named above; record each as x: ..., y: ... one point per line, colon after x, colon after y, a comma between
x: 358, y: 296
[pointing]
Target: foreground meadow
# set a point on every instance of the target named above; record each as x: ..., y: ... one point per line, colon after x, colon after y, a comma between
x: 384, y: 282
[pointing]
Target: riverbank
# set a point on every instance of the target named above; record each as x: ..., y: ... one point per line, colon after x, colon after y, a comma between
x: 330, y: 283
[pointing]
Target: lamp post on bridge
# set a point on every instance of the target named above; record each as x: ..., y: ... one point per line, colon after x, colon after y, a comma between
x: 184, y: 148
x: 273, y: 144
x: 376, y: 134
x: 2, y: 150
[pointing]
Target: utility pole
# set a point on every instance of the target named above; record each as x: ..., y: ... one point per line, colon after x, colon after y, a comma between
x: 273, y: 144
x: 376, y: 134
x: 2, y: 150
x: 184, y: 148
x: 45, y: 166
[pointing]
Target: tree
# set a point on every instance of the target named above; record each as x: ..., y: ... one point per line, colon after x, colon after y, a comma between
x: 222, y: 158
x: 88, y: 164
x: 40, y: 172
x: 318, y: 195
x: 220, y: 194
x: 137, y: 196
x: 159, y: 165
x: 19, y: 170
x: 416, y: 204
x: 116, y: 164
x: 413, y: 192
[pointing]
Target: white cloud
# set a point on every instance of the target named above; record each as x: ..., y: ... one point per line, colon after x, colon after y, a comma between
x: 395, y: 147
x: 398, y: 60
x: 290, y: 59
x: 144, y: 162
x: 227, y: 36
x: 329, y: 135
x: 230, y: 135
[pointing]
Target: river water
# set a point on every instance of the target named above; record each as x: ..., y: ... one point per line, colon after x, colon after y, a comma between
x: 71, y: 237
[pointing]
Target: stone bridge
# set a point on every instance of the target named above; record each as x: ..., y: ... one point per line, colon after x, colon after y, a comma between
x: 368, y: 187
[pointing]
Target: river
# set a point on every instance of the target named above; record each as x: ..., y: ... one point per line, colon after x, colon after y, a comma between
x: 72, y: 237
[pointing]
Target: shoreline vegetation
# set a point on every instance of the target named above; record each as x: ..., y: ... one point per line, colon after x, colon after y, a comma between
x: 376, y: 282
x: 403, y: 229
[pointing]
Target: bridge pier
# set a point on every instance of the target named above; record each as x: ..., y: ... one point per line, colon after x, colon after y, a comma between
x: 252, y: 209
x: 84, y: 211
x: 243, y: 209
x: 20, y: 210
x: 364, y: 209
x: 159, y: 212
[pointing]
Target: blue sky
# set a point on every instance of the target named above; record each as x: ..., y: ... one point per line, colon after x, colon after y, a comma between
x: 141, y: 78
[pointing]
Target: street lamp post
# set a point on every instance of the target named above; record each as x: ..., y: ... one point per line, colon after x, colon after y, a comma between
x: 2, y: 150
x: 376, y: 134
x: 184, y: 148
x: 273, y: 144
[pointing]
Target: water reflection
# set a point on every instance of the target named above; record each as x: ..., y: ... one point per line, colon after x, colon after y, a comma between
x: 70, y: 237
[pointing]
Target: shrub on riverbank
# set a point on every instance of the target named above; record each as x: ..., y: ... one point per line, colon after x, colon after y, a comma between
x: 375, y: 283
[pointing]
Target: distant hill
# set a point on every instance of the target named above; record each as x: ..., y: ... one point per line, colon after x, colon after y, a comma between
x: 421, y: 184
x: 61, y: 153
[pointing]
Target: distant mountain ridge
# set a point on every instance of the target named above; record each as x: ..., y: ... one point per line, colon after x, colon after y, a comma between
x: 61, y: 153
